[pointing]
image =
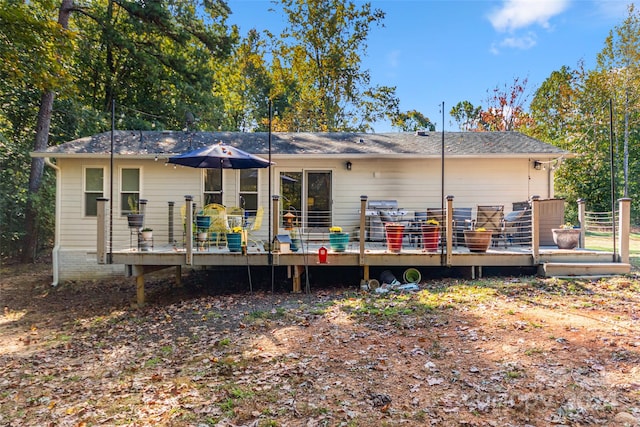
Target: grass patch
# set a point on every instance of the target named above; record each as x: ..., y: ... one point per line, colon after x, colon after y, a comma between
x: 275, y: 314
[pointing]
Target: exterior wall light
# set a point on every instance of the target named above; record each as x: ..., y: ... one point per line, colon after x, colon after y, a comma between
x: 537, y: 165
x: 348, y: 165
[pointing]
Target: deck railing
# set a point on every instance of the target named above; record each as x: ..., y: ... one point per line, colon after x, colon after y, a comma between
x: 525, y: 232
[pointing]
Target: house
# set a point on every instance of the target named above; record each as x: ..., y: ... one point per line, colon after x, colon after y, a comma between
x: 319, y: 176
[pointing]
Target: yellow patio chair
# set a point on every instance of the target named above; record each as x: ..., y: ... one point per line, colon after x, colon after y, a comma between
x: 235, y: 217
x: 254, y: 224
x: 219, y: 227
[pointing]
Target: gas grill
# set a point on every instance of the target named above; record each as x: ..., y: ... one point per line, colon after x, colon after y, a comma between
x: 379, y: 212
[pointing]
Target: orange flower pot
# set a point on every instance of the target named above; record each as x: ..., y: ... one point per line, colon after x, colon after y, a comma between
x: 395, y: 233
x: 430, y: 237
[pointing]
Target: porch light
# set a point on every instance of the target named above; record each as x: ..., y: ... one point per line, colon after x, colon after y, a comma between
x: 537, y: 165
x: 348, y: 165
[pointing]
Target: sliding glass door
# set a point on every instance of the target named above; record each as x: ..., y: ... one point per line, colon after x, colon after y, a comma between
x: 308, y: 196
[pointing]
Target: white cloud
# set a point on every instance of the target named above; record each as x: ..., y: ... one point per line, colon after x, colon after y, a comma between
x: 516, y: 14
x: 393, y: 58
x: 524, y: 42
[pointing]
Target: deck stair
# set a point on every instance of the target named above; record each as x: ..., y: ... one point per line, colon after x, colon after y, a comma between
x: 584, y: 269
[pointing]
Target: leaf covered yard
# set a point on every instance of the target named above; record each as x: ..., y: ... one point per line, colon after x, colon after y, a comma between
x: 512, y: 351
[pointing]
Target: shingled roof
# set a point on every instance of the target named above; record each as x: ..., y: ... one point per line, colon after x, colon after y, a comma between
x: 421, y: 144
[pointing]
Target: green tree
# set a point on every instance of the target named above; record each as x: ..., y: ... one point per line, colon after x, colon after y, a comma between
x: 412, y: 121
x: 244, y: 84
x: 505, y: 108
x: 316, y: 68
x: 152, y: 58
x: 466, y: 115
x: 620, y: 58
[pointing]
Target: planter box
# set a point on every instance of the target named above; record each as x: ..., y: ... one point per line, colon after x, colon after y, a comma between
x: 477, y: 241
x: 395, y: 233
x: 135, y: 220
x: 566, y: 238
x: 338, y: 241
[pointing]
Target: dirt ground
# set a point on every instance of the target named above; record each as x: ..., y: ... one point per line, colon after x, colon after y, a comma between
x: 508, y: 351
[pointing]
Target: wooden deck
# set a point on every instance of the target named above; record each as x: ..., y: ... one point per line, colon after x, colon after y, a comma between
x: 360, y: 253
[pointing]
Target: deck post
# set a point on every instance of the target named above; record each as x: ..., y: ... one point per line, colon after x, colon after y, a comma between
x: 275, y: 202
x: 449, y: 230
x: 297, y: 284
x: 535, y: 228
x: 140, y: 289
x: 178, y: 276
x: 581, y: 221
x: 103, y: 230
x: 188, y: 200
x: 170, y: 222
x: 363, y: 225
x: 624, y: 211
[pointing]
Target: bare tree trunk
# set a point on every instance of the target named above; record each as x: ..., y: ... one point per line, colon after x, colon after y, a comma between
x: 37, y: 164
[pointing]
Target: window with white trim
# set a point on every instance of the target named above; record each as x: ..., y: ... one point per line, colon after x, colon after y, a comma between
x: 129, y: 190
x: 249, y: 190
x: 93, y: 189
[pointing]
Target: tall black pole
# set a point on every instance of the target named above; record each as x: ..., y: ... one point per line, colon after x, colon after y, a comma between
x: 613, y: 179
x: 113, y: 127
x: 442, y: 258
x: 270, y: 255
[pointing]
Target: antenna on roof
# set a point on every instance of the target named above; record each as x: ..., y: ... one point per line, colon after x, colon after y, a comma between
x: 189, y: 119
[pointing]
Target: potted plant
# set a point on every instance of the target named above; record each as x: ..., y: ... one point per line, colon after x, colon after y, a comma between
x: 203, y: 221
x: 234, y: 239
x: 134, y: 217
x: 478, y: 240
x: 146, y: 233
x: 146, y: 239
x: 296, y: 242
x: 566, y: 236
x: 338, y: 240
x: 430, y: 235
x: 395, y: 233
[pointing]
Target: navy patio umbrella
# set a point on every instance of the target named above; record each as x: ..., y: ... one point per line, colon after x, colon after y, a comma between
x: 219, y: 156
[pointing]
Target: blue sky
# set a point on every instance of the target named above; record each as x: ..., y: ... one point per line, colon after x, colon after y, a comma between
x: 436, y: 51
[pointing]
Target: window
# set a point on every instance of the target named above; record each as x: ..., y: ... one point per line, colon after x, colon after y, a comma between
x: 93, y: 189
x: 213, y: 186
x: 318, y: 207
x: 129, y: 190
x: 308, y: 196
x: 249, y: 190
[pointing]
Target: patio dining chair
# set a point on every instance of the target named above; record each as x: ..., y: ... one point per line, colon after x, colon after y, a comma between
x: 491, y: 218
x: 461, y: 221
x: 517, y: 227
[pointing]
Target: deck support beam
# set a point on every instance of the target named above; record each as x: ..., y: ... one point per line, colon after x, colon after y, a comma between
x: 140, y: 290
x: 179, y: 276
x: 297, y: 273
